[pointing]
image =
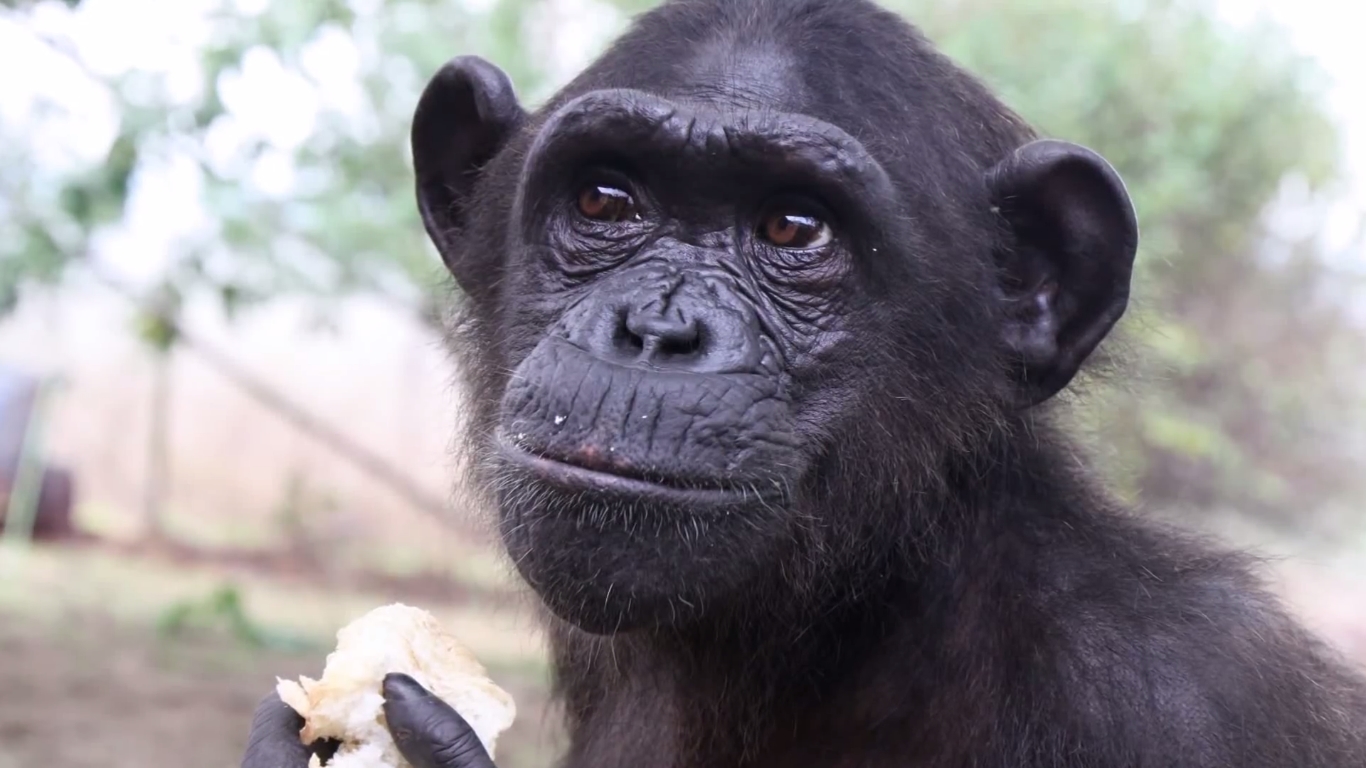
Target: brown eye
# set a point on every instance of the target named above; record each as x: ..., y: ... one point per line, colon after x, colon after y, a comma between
x: 604, y: 203
x: 788, y: 230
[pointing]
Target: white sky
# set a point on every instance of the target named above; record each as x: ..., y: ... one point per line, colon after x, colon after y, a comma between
x: 114, y: 34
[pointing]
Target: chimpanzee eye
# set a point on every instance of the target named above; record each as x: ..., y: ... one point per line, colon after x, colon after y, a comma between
x: 603, y: 202
x: 796, y: 231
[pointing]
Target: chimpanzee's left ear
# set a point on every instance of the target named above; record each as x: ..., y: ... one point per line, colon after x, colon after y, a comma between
x: 1065, y: 277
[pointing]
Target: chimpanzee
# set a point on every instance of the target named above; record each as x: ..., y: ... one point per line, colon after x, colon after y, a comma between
x: 764, y: 318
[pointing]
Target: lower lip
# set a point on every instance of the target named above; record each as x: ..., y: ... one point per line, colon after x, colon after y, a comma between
x: 580, y: 479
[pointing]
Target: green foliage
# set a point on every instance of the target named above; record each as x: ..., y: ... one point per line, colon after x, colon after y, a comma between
x: 349, y: 224
x: 225, y: 610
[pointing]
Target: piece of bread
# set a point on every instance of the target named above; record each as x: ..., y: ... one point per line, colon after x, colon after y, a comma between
x: 347, y: 703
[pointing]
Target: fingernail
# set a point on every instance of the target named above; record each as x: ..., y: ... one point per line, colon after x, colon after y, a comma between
x: 400, y: 687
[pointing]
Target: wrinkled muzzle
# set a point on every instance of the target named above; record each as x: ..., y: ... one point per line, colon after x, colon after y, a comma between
x: 671, y: 427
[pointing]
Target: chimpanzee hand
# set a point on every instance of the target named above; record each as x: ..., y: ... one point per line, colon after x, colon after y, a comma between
x: 428, y: 732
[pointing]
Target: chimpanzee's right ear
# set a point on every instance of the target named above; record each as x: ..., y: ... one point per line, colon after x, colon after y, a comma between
x: 466, y: 114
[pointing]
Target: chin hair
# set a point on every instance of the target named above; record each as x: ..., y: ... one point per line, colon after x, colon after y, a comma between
x: 608, y: 563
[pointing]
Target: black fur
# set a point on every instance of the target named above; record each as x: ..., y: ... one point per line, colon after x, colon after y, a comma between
x: 808, y: 508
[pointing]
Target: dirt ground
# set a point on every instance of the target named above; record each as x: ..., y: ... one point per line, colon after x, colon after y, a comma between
x: 89, y: 676
x: 100, y: 695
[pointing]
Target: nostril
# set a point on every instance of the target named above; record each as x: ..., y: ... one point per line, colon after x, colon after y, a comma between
x: 671, y: 338
x: 685, y: 342
x: 628, y: 341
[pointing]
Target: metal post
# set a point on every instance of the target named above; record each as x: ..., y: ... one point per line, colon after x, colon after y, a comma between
x: 22, y: 505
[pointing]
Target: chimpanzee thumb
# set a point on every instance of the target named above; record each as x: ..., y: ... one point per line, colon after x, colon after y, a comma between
x: 429, y: 733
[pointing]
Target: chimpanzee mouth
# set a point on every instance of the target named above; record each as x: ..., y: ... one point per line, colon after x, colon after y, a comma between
x: 633, y: 483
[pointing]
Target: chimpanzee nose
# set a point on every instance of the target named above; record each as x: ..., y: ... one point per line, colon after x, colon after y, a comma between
x: 676, y: 327
x: 669, y: 337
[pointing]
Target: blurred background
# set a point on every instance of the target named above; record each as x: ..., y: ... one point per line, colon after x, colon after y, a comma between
x: 226, y: 414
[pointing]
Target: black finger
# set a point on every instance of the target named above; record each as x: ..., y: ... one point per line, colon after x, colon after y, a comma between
x: 428, y: 732
x: 274, y: 738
